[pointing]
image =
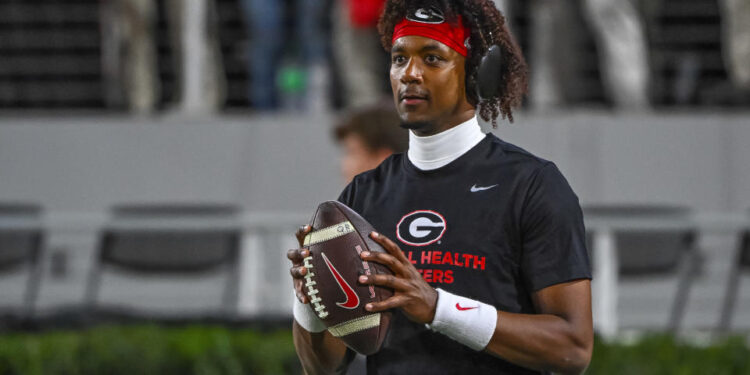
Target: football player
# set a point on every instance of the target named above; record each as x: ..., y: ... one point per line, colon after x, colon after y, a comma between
x: 485, y: 240
x: 367, y: 137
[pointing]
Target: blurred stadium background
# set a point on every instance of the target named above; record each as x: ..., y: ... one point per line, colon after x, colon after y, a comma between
x: 177, y: 211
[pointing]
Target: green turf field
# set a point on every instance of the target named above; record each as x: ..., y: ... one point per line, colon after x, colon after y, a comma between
x: 151, y: 349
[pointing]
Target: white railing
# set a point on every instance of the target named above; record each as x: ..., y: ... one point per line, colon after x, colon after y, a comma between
x: 265, y: 285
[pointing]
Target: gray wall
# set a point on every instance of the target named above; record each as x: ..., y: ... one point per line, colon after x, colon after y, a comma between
x: 289, y: 163
x: 694, y: 159
x: 82, y: 164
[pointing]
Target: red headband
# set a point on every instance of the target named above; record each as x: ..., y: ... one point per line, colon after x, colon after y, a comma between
x: 454, y: 36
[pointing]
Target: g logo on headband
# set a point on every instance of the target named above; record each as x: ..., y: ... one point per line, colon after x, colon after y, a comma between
x: 429, y: 15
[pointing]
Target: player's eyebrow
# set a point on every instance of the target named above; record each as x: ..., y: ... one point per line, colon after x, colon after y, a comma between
x: 427, y: 48
x: 430, y: 47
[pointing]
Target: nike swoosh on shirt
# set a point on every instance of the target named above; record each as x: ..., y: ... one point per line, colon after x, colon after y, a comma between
x: 460, y: 308
x: 476, y: 188
x: 352, y: 300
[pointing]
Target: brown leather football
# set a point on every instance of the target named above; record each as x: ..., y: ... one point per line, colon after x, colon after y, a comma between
x: 337, y: 238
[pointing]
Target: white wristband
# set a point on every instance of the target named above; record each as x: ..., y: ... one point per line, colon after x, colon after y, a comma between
x: 306, y: 318
x: 465, y: 320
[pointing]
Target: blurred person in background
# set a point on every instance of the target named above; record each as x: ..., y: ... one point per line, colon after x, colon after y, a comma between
x: 130, y: 26
x: 266, y: 29
x: 361, y: 60
x: 367, y: 137
x: 736, y: 39
x: 621, y: 38
x: 619, y: 34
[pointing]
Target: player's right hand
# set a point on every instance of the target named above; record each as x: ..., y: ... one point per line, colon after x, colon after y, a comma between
x: 298, y: 269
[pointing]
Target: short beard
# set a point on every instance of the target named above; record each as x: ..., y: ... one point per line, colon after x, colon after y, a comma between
x: 417, y: 125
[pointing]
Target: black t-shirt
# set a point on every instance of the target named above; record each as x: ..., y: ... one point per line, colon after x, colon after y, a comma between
x: 495, y: 225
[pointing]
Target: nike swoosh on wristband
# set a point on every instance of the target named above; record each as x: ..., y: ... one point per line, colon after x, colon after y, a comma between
x: 476, y: 188
x: 459, y: 308
x: 352, y: 300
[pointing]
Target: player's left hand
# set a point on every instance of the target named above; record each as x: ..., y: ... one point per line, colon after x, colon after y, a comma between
x: 411, y: 293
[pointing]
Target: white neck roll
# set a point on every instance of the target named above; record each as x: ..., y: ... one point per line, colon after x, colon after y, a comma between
x: 434, y: 151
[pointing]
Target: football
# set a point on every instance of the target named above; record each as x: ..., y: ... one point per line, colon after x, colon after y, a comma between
x: 337, y: 238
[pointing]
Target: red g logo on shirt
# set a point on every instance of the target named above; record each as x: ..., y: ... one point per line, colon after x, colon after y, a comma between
x: 421, y: 228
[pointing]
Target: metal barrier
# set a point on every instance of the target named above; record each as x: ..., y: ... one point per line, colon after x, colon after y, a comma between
x: 264, y: 289
x: 264, y: 286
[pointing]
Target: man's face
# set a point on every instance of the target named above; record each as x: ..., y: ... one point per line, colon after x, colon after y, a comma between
x: 427, y: 79
x: 358, y: 157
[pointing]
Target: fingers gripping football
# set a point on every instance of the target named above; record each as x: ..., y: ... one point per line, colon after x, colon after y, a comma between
x: 298, y: 269
x: 412, y: 294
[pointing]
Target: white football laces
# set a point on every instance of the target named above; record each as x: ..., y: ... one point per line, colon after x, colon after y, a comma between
x: 319, y: 308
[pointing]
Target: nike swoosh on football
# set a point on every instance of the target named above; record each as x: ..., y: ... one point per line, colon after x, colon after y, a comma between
x: 459, y: 308
x: 476, y: 188
x: 352, y: 300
